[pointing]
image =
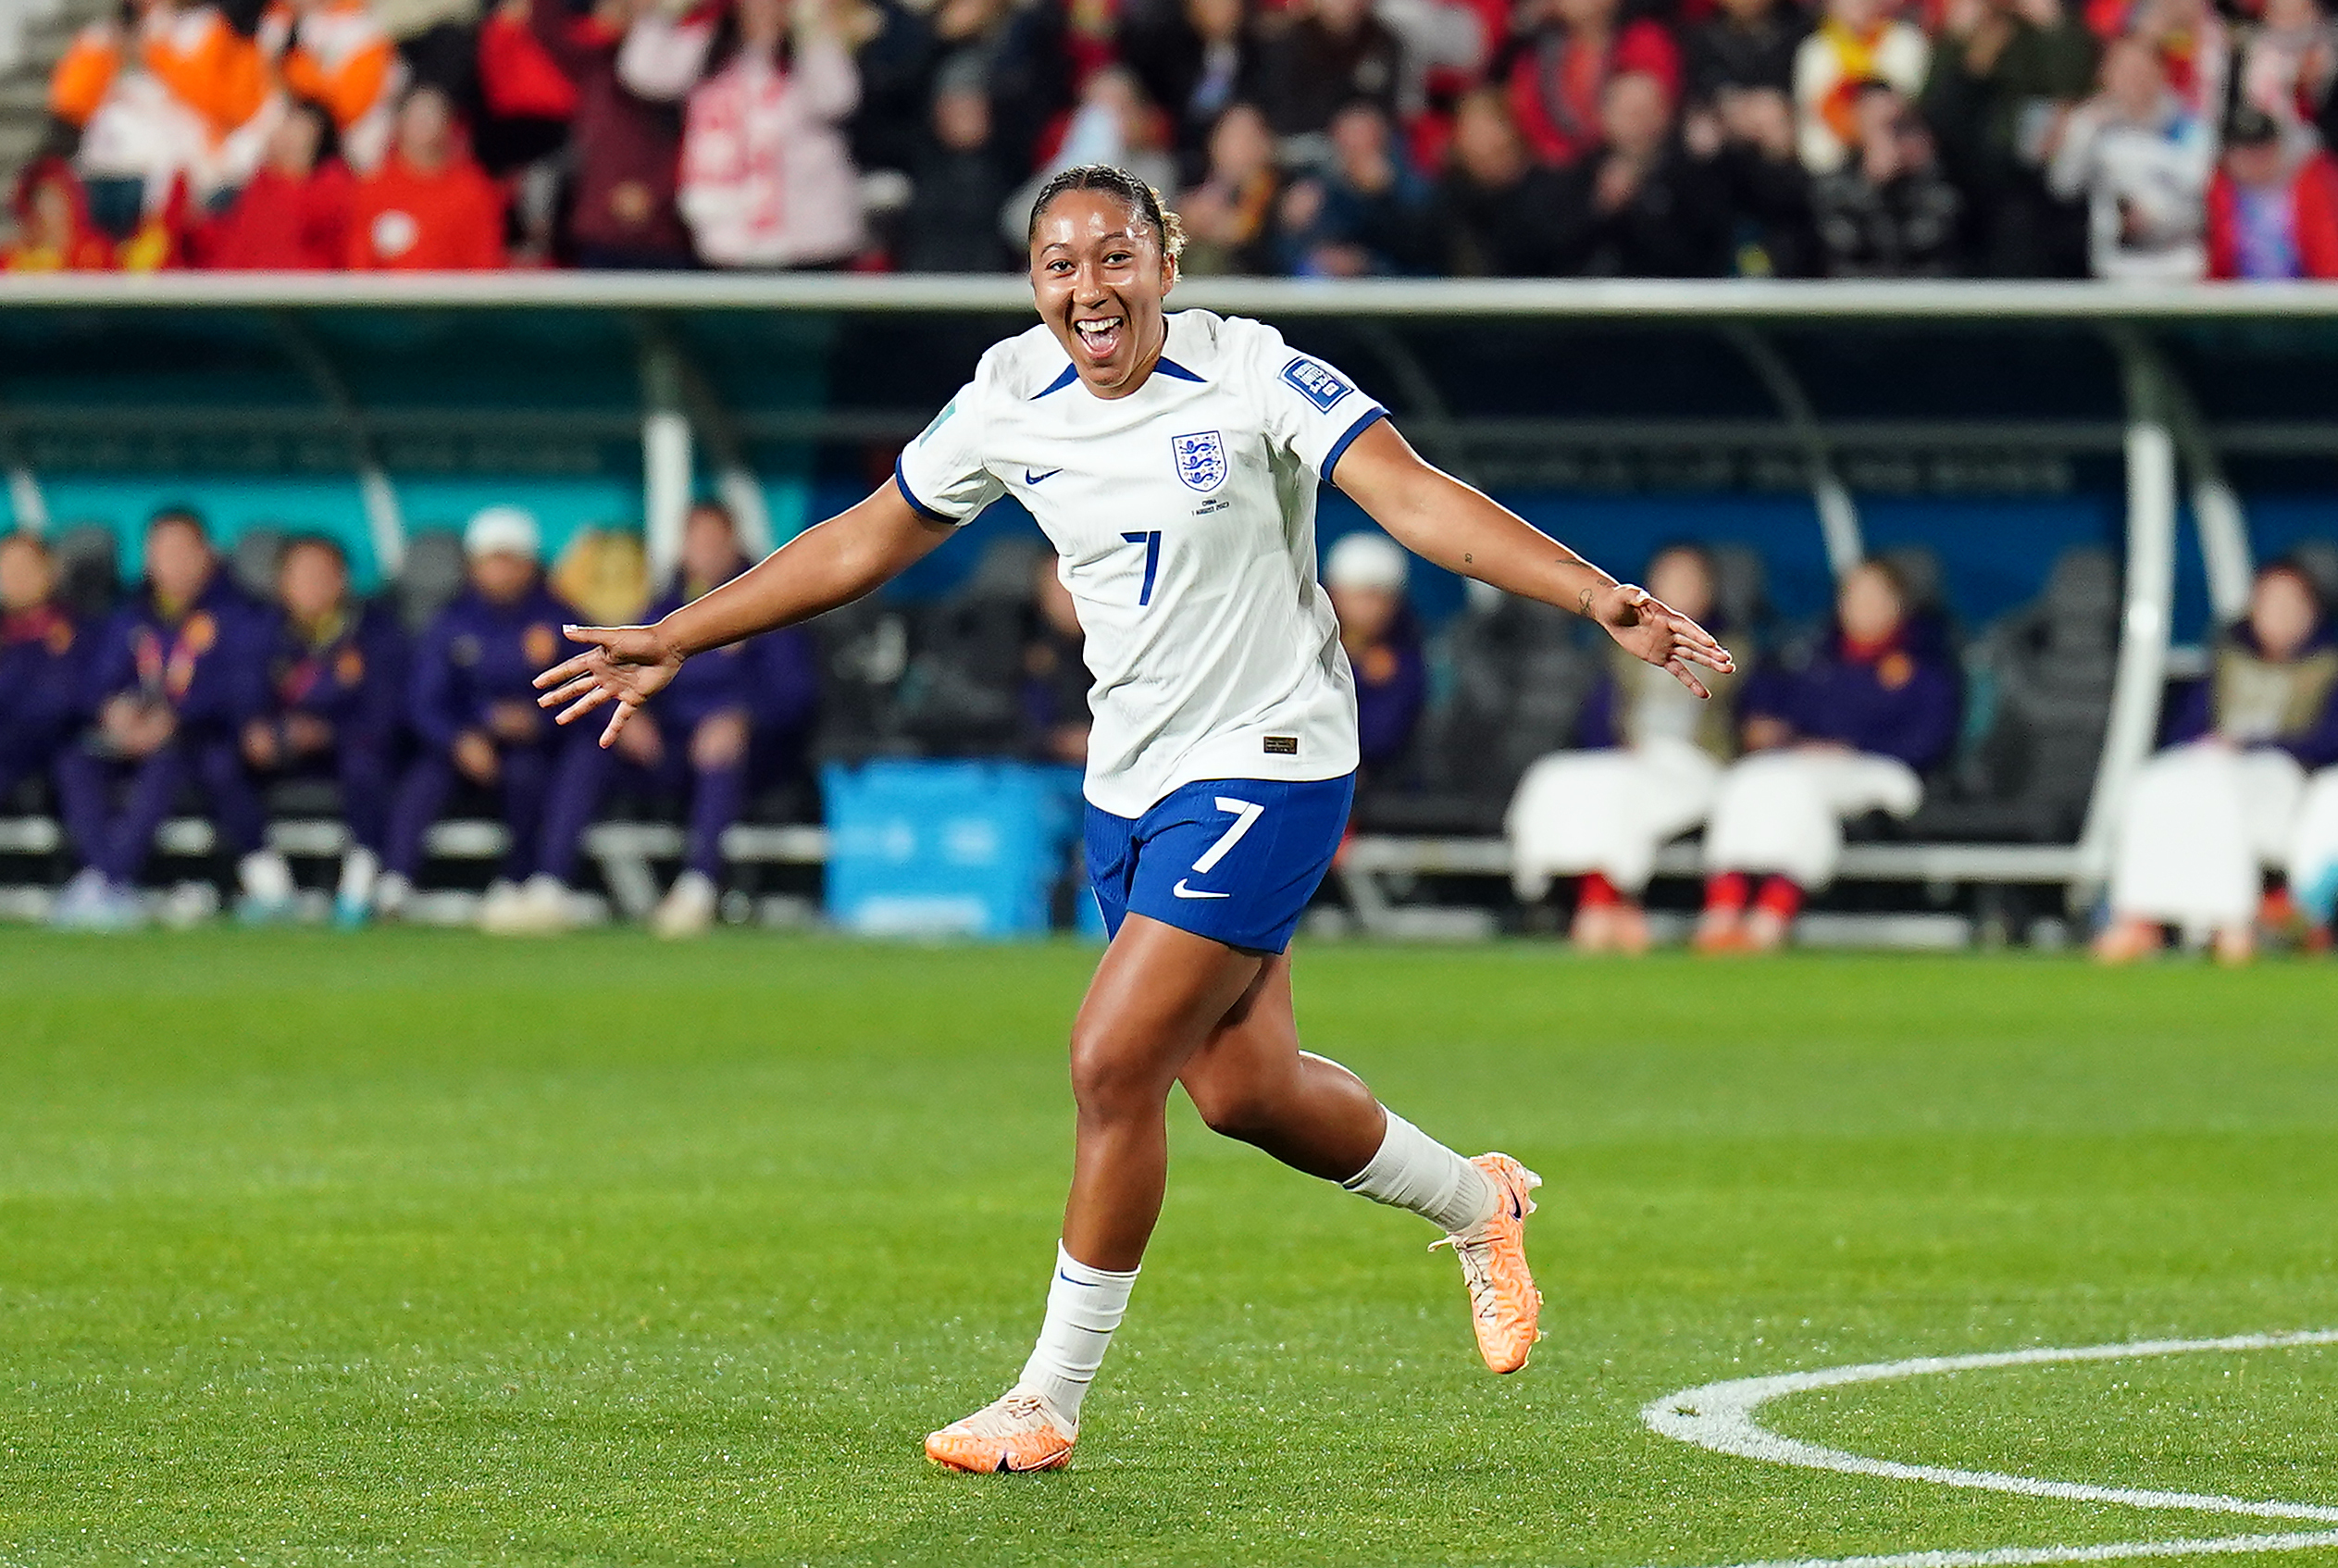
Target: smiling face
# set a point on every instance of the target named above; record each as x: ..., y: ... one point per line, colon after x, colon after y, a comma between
x: 1099, y: 274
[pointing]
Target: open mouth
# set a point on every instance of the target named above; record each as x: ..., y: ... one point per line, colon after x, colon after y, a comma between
x: 1099, y: 336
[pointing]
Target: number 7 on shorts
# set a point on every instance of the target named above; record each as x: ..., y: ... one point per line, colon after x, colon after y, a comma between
x: 1246, y: 813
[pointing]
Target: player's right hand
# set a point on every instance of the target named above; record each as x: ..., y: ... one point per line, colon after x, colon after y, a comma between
x: 626, y: 664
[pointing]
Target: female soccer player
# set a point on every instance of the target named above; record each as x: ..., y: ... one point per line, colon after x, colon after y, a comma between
x: 1173, y: 461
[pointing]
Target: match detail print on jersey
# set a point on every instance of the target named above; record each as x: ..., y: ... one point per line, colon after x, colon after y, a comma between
x: 1183, y: 514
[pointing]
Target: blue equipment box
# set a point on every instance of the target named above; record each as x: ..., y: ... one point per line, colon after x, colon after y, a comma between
x: 924, y: 849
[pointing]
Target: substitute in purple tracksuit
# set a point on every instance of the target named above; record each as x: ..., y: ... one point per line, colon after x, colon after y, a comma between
x: 1852, y: 730
x: 335, y: 702
x: 43, y: 665
x: 474, y: 711
x: 176, y: 672
x: 696, y: 744
x: 1365, y: 575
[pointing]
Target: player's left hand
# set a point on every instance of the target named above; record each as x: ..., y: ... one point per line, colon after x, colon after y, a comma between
x: 1648, y: 629
x: 625, y: 664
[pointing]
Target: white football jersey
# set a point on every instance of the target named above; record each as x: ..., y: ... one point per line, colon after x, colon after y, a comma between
x: 1184, y: 516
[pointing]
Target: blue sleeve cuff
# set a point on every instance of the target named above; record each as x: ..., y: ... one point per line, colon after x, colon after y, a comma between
x: 1365, y: 421
x: 901, y: 481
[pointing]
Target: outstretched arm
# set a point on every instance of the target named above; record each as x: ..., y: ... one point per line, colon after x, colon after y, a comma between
x: 852, y: 553
x: 1441, y: 519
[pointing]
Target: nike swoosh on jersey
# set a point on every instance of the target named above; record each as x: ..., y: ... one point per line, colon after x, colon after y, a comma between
x: 1030, y: 477
x: 1185, y: 893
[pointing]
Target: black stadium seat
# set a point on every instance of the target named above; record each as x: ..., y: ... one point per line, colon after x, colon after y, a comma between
x: 1521, y: 674
x: 253, y: 561
x: 2042, y: 679
x: 431, y: 578
x: 89, y: 568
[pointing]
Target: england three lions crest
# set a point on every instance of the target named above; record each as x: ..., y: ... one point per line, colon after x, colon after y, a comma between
x: 1200, y: 459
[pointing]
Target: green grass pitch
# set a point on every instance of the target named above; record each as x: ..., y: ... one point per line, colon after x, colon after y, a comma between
x: 416, y: 1247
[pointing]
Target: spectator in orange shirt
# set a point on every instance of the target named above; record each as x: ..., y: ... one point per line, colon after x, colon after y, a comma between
x: 157, y: 93
x: 54, y: 233
x: 335, y: 53
x: 294, y: 214
x: 429, y: 207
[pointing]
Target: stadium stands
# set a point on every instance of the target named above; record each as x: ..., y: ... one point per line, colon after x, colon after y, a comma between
x: 1310, y: 138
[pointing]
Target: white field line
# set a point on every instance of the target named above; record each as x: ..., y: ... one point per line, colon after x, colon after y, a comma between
x: 1722, y: 1417
x: 2023, y: 1556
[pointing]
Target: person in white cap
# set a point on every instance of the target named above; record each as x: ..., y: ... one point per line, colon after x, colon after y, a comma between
x: 1365, y: 573
x: 471, y: 704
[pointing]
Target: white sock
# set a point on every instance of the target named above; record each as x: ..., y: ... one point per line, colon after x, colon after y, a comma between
x: 265, y: 876
x: 360, y: 867
x: 1084, y: 1305
x: 1415, y: 1171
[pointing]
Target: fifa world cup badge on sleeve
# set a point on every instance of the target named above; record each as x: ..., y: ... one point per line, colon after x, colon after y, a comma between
x: 1318, y: 383
x: 1200, y: 459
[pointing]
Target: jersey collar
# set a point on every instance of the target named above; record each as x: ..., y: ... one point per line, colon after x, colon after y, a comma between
x: 1164, y: 366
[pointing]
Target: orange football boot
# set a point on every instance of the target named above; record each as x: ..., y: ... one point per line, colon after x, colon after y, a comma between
x: 1505, y: 1308
x: 1010, y: 1435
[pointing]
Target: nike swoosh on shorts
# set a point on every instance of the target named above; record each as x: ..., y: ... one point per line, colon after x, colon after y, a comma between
x: 1185, y: 893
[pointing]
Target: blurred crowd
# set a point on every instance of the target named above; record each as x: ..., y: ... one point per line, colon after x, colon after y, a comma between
x: 214, y: 688
x: 2146, y: 139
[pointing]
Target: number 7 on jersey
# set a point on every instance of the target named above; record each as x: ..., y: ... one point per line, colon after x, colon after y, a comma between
x: 1151, y: 542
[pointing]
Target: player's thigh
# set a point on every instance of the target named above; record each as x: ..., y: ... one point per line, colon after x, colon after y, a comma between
x: 1158, y: 997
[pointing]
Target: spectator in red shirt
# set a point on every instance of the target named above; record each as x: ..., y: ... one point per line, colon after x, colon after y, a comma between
x: 625, y: 149
x: 2274, y: 207
x: 430, y: 208
x: 1561, y: 72
x: 294, y: 214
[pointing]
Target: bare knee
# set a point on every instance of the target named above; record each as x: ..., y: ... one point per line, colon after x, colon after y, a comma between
x: 1111, y: 1084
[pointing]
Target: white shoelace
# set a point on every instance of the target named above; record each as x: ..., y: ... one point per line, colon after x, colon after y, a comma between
x: 1012, y: 1414
x: 1474, y: 1270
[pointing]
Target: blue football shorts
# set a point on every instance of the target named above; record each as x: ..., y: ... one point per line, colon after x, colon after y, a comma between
x: 1234, y: 860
